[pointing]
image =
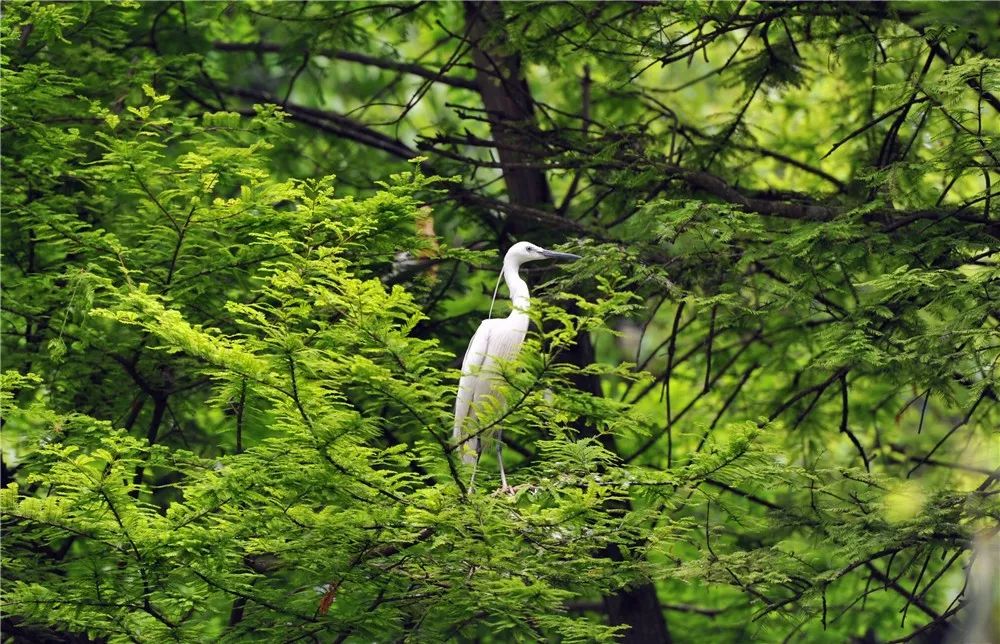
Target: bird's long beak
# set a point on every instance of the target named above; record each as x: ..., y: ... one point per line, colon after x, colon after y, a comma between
x: 551, y: 254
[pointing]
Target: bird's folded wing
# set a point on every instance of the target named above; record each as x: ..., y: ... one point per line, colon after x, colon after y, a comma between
x: 472, y: 364
x: 496, y: 340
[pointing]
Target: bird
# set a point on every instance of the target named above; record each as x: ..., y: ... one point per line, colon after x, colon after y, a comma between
x: 496, y: 340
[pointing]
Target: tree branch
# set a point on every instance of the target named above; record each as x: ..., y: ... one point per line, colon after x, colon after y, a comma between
x: 355, y: 57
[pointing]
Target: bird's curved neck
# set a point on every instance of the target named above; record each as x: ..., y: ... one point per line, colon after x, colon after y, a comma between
x: 519, y: 295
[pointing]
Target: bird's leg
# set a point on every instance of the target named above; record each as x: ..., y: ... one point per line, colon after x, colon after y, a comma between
x: 503, y: 476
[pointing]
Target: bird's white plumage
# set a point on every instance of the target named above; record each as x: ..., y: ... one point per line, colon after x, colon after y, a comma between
x: 495, y: 341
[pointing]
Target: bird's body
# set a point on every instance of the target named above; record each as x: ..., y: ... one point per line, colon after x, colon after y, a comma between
x: 495, y: 341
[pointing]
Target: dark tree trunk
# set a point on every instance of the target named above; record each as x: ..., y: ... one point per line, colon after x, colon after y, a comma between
x: 507, y: 100
x: 508, y: 104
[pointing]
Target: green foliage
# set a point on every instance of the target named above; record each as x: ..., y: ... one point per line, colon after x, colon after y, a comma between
x: 245, y: 247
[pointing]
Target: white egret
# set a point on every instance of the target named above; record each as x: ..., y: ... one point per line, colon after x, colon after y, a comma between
x: 496, y: 340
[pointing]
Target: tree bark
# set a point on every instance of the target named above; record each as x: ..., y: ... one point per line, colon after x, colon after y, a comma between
x: 507, y: 99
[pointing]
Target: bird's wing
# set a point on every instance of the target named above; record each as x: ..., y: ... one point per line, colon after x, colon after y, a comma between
x: 472, y: 364
x: 495, y: 340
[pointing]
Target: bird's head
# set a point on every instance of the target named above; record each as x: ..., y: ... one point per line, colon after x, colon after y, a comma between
x: 522, y: 252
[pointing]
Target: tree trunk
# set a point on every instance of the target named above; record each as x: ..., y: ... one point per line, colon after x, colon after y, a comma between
x: 507, y: 100
x: 509, y: 108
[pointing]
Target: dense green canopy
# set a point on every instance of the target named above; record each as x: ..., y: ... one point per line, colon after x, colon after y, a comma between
x: 245, y: 246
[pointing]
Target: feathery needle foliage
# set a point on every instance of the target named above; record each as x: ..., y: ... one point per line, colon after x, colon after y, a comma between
x: 245, y: 244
